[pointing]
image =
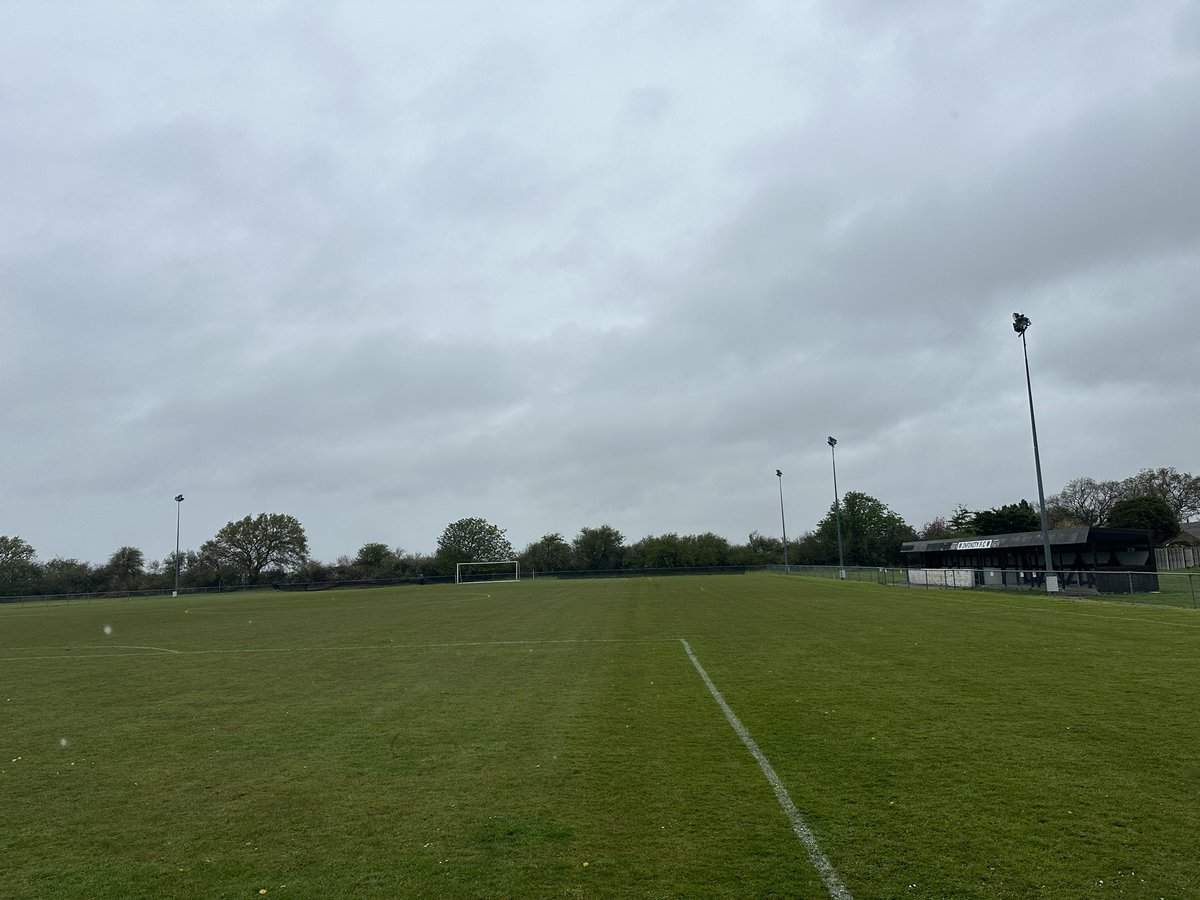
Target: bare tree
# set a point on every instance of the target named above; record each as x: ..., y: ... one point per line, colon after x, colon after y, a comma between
x: 1084, y: 502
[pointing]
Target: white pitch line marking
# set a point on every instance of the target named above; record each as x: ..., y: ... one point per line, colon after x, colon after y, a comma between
x: 338, y: 649
x: 76, y: 656
x: 820, y: 861
x: 131, y: 647
x: 426, y: 645
x: 93, y: 655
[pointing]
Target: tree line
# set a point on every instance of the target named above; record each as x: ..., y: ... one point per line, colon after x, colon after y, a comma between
x: 1155, y: 500
x: 273, y: 547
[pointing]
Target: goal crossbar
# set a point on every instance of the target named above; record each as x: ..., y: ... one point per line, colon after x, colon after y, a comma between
x: 492, y: 570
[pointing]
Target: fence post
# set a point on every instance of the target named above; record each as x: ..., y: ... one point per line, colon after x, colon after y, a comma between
x: 1192, y: 585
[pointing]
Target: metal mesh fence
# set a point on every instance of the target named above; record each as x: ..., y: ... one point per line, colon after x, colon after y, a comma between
x: 1179, y: 588
x: 1173, y: 588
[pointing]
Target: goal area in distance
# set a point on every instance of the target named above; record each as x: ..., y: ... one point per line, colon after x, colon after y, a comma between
x: 496, y: 570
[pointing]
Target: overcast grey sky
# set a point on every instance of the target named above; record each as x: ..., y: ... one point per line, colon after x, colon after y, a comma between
x: 381, y: 266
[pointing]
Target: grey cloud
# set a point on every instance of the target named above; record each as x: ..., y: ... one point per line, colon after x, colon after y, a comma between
x: 382, y: 268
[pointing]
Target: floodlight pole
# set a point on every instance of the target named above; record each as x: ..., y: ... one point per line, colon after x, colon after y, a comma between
x: 1021, y: 324
x: 783, y: 520
x: 837, y: 508
x: 178, y: 507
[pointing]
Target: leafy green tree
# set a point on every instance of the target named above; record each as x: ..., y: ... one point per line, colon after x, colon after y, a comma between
x: 168, y: 566
x: 707, y: 549
x: 471, y: 540
x: 1154, y: 514
x: 69, y: 576
x: 814, y: 548
x: 1180, y: 490
x: 124, y: 570
x: 599, y: 549
x: 689, y: 550
x: 759, y: 550
x: 661, y: 552
x: 1009, y: 519
x: 417, y: 564
x: 551, y: 553
x: 256, y: 544
x: 343, y: 569
x: 377, y: 560
x: 316, y: 572
x: 206, y: 568
x: 373, y: 556
x: 962, y: 521
x: 19, y: 572
x: 960, y: 524
x: 871, y: 532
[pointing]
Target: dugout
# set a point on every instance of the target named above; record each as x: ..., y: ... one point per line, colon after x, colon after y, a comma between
x: 1106, y: 560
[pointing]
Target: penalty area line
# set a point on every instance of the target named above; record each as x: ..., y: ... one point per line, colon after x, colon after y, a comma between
x: 820, y: 861
x: 157, y: 651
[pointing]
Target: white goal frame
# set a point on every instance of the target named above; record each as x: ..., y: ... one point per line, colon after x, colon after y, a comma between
x: 514, y: 575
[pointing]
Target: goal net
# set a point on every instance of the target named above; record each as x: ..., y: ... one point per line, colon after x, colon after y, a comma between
x: 498, y: 570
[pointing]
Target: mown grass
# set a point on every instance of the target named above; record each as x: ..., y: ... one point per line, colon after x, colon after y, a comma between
x: 437, y: 742
x: 1175, y: 588
x: 1180, y: 588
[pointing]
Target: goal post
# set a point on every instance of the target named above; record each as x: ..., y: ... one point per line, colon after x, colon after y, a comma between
x: 493, y: 570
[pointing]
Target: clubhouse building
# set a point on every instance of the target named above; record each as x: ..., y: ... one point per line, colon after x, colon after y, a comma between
x: 1105, y: 560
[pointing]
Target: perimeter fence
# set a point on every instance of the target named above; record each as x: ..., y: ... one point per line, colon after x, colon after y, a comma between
x: 1178, y: 588
x: 88, y: 597
x: 1171, y: 588
x: 85, y: 597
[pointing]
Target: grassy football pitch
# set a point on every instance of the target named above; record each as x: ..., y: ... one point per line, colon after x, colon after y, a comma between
x: 555, y: 739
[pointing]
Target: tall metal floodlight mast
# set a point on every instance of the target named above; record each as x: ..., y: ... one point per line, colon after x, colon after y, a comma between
x: 1021, y: 324
x: 178, y: 507
x: 782, y: 519
x: 837, y: 508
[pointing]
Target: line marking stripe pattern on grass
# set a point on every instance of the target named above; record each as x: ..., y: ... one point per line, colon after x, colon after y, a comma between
x: 820, y: 861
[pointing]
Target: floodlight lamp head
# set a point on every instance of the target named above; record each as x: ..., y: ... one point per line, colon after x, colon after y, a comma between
x: 1020, y: 322
x: 779, y: 472
x: 832, y: 441
x: 179, y: 498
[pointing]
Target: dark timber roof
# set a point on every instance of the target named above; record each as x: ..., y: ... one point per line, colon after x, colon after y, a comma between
x: 1059, y: 537
x: 1189, y: 533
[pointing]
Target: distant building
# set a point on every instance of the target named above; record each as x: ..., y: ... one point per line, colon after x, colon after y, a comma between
x: 1183, y: 550
x: 1083, y: 558
x: 1188, y: 535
